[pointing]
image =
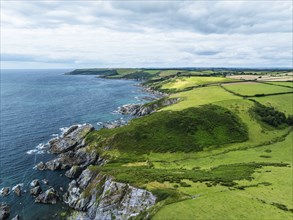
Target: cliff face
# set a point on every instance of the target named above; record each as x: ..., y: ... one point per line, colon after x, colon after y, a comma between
x: 100, y: 197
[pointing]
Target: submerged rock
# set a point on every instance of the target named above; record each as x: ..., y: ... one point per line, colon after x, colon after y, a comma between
x: 35, y: 183
x: 36, y: 191
x: 72, y: 138
x: 17, y: 189
x: 45, y: 181
x: 50, y: 196
x: 4, y: 191
x: 16, y: 217
x: 4, y: 211
x: 41, y: 166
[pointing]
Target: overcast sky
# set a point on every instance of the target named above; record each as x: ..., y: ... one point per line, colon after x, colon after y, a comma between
x: 79, y: 34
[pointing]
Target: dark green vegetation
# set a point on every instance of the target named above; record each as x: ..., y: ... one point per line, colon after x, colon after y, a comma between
x: 214, y: 148
x: 188, y: 130
x: 271, y: 116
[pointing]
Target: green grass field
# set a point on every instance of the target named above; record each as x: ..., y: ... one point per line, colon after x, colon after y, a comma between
x: 208, y: 156
x: 281, y: 102
x: 187, y: 82
x: 200, y: 96
x: 252, y: 88
x: 289, y: 84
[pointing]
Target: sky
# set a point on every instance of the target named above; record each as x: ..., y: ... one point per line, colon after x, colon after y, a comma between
x: 112, y: 34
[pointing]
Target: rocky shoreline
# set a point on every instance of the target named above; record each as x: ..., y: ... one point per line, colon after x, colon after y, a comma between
x: 90, y: 194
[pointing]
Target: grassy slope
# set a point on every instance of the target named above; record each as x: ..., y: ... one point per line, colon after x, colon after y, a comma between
x: 250, y: 89
x: 189, y: 184
x: 257, y: 197
x: 187, y: 82
x: 281, y: 102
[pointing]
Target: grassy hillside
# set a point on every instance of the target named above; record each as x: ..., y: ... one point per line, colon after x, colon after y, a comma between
x: 211, y: 155
x: 253, y: 88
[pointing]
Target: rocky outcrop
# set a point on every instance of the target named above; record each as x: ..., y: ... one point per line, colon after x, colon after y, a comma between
x: 4, y: 191
x: 74, y: 197
x: 17, y: 189
x: 36, y: 191
x: 102, y: 198
x: 81, y: 157
x: 50, y: 196
x: 4, y: 211
x: 72, y: 138
x: 114, y: 124
x: 135, y: 110
x: 145, y: 109
x: 35, y: 183
x: 74, y: 172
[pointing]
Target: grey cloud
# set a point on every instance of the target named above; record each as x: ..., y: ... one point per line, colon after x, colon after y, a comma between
x: 33, y: 58
x: 203, y: 17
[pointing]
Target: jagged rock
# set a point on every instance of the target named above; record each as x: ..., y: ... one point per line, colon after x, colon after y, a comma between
x: 84, y: 179
x: 35, y: 183
x: 53, y: 165
x: 4, y: 211
x: 74, y: 172
x: 36, y: 191
x: 49, y: 196
x: 16, y: 218
x: 71, y: 139
x: 68, y: 159
x: 73, y: 195
x: 41, y: 166
x: 109, y: 199
x: 114, y: 124
x: 45, y: 181
x: 4, y: 191
x: 142, y: 109
x: 17, y: 189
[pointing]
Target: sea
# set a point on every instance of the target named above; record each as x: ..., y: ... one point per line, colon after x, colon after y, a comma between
x: 38, y: 105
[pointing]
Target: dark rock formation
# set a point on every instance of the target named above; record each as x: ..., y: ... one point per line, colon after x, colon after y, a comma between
x: 72, y: 138
x: 74, y: 172
x: 4, y: 211
x: 35, y: 183
x: 50, y: 196
x: 17, y: 189
x: 4, y: 191
x: 68, y: 159
x: 36, y: 191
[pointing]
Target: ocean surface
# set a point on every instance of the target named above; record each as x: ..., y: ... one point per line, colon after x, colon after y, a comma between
x: 36, y: 105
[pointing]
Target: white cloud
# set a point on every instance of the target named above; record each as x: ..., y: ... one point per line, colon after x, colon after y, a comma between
x: 146, y: 34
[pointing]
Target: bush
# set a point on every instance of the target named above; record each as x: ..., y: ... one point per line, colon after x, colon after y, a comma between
x: 270, y: 115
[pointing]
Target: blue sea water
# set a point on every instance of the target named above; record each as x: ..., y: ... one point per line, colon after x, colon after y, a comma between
x: 35, y: 104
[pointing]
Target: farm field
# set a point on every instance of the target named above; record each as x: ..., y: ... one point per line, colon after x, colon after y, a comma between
x: 281, y: 102
x: 187, y: 82
x: 254, y: 88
